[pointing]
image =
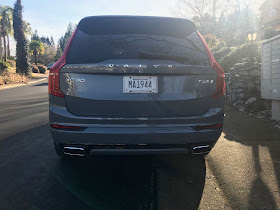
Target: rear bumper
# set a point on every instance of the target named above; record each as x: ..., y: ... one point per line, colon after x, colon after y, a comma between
x: 138, y: 151
x: 135, y: 141
x: 135, y: 135
x: 104, y: 135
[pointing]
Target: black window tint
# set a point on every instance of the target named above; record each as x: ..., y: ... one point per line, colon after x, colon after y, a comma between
x: 103, y: 42
x: 97, y: 48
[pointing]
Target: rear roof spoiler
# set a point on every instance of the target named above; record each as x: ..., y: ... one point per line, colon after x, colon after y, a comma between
x: 165, y: 26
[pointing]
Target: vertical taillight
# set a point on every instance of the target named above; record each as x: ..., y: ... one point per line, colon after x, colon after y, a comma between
x: 54, y: 70
x: 221, y: 86
x: 54, y: 78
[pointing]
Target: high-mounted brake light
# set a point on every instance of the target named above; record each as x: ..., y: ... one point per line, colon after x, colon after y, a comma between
x: 221, y: 86
x: 54, y: 71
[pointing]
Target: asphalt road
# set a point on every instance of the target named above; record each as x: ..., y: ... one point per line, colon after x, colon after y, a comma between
x: 241, y: 172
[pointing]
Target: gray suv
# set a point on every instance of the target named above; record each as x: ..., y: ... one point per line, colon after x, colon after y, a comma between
x: 135, y: 85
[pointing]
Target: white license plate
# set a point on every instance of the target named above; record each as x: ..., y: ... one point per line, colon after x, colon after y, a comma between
x: 140, y: 84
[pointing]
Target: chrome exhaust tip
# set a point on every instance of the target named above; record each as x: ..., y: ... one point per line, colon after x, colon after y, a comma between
x: 74, y: 151
x: 201, y: 149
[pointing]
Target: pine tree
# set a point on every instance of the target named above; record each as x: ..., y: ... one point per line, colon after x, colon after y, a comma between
x: 35, y: 36
x: 52, y: 41
x: 23, y: 65
x: 58, y: 54
x: 62, y: 42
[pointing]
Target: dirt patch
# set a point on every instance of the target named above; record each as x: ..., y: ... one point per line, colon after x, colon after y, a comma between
x: 40, y: 75
x: 11, y: 78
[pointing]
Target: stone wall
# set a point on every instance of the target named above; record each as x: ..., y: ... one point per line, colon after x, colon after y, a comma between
x: 244, y: 86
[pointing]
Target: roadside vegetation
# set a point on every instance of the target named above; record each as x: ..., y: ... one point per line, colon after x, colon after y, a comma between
x: 227, y: 26
x: 234, y: 30
x: 62, y: 42
x: 33, y: 54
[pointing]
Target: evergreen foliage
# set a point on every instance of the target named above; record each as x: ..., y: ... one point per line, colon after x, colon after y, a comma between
x: 36, y: 48
x: 22, y: 60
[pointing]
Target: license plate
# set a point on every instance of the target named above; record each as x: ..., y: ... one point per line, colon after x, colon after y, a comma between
x: 140, y: 84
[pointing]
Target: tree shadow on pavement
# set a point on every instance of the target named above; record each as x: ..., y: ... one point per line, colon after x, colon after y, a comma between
x: 33, y: 177
x: 181, y: 181
x: 255, y: 133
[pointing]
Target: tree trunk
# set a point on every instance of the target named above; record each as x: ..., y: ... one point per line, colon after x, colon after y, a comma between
x: 5, y: 48
x: 1, y: 47
x: 35, y: 58
x: 8, y: 47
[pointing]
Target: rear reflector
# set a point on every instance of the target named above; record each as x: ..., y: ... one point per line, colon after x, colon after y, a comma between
x: 221, y: 86
x: 66, y: 127
x: 205, y: 127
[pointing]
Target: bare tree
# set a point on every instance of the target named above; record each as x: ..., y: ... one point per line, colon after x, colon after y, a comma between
x: 239, y: 5
x: 214, y: 8
x: 204, y: 13
x: 199, y: 8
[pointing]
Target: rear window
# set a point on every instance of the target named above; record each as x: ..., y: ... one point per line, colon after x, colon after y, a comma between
x: 171, y: 39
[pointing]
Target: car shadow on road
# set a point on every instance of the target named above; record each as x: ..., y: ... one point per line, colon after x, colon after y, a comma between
x: 119, y: 182
x: 33, y: 177
x: 263, y: 140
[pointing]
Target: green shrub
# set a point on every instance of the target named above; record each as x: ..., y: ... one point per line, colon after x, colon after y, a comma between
x: 213, y: 42
x: 227, y: 57
x: 12, y: 63
x: 42, y: 69
x: 35, y: 69
x: 4, y: 66
x: 219, y: 53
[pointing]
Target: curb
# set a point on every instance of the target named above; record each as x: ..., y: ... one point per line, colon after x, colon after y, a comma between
x: 19, y: 85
